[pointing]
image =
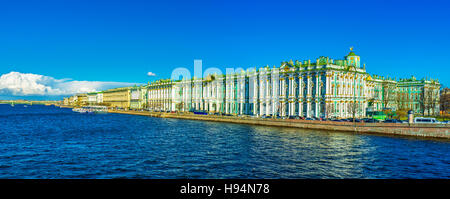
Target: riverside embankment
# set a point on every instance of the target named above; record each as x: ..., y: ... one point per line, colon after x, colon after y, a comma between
x: 417, y: 130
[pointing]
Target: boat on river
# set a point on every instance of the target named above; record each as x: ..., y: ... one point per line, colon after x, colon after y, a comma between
x: 91, y: 109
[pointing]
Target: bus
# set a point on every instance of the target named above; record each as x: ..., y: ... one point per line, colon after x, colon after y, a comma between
x: 378, y: 115
x: 424, y: 120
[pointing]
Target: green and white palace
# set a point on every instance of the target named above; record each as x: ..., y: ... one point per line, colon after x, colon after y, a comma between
x: 324, y: 88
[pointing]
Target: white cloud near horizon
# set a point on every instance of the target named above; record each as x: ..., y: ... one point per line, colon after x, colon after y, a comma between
x: 28, y: 84
x: 151, y: 74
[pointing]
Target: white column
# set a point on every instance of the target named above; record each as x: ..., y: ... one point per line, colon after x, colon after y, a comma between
x: 255, y: 94
x: 261, y: 95
x: 241, y: 96
x: 267, y: 94
x: 285, y: 97
x: 274, y: 95
x: 227, y: 96
x: 309, y: 89
x: 291, y: 96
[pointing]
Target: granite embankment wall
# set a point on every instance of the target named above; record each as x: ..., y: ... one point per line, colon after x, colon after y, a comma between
x: 418, y: 130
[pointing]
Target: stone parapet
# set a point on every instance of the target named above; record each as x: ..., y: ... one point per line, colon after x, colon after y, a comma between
x: 416, y: 130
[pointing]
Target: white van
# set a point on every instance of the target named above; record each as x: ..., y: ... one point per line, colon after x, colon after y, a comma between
x: 426, y: 120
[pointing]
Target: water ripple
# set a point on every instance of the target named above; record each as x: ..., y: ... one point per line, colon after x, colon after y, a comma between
x: 49, y: 142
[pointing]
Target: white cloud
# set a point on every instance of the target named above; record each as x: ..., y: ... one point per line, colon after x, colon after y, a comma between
x: 151, y: 74
x: 28, y: 84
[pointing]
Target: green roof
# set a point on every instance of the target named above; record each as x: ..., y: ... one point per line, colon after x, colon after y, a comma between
x: 352, y: 54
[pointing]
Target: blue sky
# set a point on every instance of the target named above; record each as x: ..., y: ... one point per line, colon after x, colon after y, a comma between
x: 121, y: 41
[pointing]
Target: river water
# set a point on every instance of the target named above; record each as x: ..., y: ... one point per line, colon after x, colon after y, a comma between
x: 51, y: 142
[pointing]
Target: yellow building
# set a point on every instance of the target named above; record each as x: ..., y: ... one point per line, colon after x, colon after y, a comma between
x: 66, y: 101
x: 117, y: 98
x: 82, y: 99
x: 72, y: 100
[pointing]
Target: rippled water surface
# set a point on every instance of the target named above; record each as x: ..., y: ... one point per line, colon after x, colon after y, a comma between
x: 50, y: 142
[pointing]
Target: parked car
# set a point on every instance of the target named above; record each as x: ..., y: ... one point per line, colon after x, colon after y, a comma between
x: 370, y: 120
x: 389, y: 121
x: 393, y: 121
x: 291, y: 117
x: 310, y: 118
x: 323, y: 119
x: 355, y: 120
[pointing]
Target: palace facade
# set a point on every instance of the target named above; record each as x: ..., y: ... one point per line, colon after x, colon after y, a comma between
x: 324, y: 88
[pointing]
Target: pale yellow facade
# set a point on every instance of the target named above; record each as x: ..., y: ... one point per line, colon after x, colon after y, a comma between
x: 117, y: 98
x: 82, y: 99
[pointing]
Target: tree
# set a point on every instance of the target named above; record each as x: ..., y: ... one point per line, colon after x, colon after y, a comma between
x: 445, y: 100
x: 179, y: 106
x: 214, y: 105
x: 402, y: 99
x: 429, y: 100
x: 354, y: 109
x: 435, y: 100
x: 422, y: 101
x: 329, y: 110
x: 388, y: 94
x: 388, y: 112
x: 145, y: 105
x: 401, y: 113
